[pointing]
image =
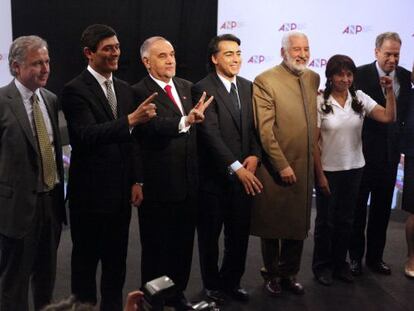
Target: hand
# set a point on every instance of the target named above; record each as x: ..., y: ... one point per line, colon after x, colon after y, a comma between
x: 136, y: 195
x: 196, y: 114
x: 251, y: 183
x: 250, y: 163
x: 323, y: 184
x: 144, y: 112
x: 134, y: 301
x: 288, y: 175
x: 386, y: 83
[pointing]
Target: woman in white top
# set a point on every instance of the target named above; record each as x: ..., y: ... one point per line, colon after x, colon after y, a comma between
x: 339, y: 162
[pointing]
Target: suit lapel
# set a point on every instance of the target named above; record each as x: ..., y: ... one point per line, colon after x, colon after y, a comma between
x: 50, y: 111
x: 376, y: 83
x: 119, y: 98
x: 96, y: 89
x: 185, y: 96
x: 244, y: 101
x: 16, y: 104
x: 162, y: 96
x: 225, y: 98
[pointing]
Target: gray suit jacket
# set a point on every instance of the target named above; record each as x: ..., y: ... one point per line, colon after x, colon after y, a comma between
x: 19, y: 162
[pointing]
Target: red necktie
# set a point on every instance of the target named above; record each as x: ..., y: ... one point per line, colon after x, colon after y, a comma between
x: 167, y: 89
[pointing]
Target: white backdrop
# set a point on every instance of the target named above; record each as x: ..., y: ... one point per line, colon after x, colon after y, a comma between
x: 5, y: 40
x: 333, y: 27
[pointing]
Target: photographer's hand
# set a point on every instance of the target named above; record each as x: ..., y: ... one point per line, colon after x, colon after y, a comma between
x: 134, y: 301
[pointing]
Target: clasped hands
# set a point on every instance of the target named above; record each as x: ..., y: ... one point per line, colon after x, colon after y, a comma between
x: 251, y: 183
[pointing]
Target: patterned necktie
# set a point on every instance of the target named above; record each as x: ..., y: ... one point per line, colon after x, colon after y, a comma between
x: 110, y: 95
x: 45, y: 147
x: 234, y: 97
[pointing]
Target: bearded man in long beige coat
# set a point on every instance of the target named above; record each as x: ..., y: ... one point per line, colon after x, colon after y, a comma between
x: 284, y: 99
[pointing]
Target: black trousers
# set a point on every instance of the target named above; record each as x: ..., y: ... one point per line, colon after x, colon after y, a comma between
x: 281, y: 258
x: 104, y: 238
x: 31, y: 259
x: 334, y: 220
x: 230, y: 209
x: 378, y: 180
x: 167, y: 238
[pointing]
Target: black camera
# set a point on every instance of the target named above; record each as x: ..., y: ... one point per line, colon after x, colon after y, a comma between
x: 155, y: 293
x: 162, y: 288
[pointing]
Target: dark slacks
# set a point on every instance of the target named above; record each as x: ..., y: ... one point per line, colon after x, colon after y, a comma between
x: 104, y: 238
x: 230, y: 208
x: 378, y: 180
x: 167, y: 238
x: 334, y: 220
x: 281, y: 258
x: 31, y: 259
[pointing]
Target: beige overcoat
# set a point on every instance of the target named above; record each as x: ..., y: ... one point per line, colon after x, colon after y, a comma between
x: 285, y: 115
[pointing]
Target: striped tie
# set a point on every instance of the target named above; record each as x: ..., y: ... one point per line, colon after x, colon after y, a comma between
x: 111, y: 97
x: 45, y: 147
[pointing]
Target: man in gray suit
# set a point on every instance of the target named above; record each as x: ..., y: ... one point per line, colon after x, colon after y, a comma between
x: 31, y: 179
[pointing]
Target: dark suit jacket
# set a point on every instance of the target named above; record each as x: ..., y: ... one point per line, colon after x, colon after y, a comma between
x: 169, y: 157
x: 381, y: 142
x: 408, y: 144
x: 223, y: 139
x: 20, y: 160
x: 102, y: 167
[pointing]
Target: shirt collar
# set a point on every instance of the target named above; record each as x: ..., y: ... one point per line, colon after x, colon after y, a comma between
x: 347, y: 102
x: 382, y: 72
x: 24, y: 91
x: 100, y: 78
x: 227, y: 83
x: 162, y: 84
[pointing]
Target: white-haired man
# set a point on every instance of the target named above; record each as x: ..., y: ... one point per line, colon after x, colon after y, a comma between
x: 284, y: 99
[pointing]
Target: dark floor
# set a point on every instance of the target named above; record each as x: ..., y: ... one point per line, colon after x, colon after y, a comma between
x: 369, y: 292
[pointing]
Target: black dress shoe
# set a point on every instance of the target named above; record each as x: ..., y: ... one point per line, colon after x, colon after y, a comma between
x: 216, y: 295
x: 379, y: 267
x: 356, y: 267
x: 291, y: 285
x: 273, y: 287
x: 344, y: 274
x: 238, y: 293
x: 324, y: 278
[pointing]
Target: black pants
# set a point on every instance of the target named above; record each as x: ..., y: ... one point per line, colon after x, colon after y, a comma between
x: 104, y: 238
x: 230, y: 208
x: 31, y: 259
x: 167, y: 237
x: 378, y: 180
x: 281, y: 258
x: 334, y: 220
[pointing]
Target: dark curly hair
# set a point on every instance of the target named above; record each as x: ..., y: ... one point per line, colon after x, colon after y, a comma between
x: 335, y: 65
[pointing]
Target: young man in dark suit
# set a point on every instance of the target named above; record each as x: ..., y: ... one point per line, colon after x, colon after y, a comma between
x: 381, y: 147
x: 31, y: 179
x: 229, y: 154
x: 100, y: 113
x: 169, y: 154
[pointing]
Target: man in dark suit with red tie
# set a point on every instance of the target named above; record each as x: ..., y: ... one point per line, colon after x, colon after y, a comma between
x: 31, y: 179
x: 229, y: 154
x: 381, y: 147
x: 169, y: 154
x: 103, y: 180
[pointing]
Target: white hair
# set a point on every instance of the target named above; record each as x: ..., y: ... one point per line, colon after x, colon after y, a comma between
x: 286, y: 38
x: 144, y: 50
